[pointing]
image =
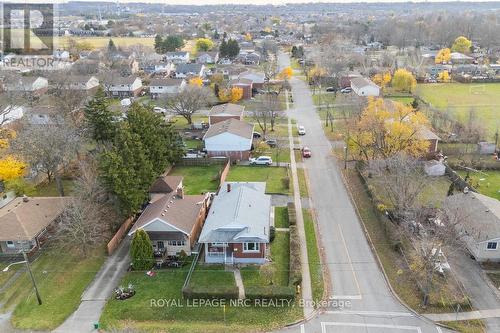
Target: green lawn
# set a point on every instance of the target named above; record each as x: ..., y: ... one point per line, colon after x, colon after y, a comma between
x: 140, y: 313
x: 212, y: 275
x: 459, y: 98
x: 407, y: 100
x: 50, y: 189
x: 313, y: 256
x: 193, y: 143
x: 198, y: 179
x: 273, y: 176
x: 281, y: 217
x: 280, y: 254
x: 61, y: 278
x: 181, y: 122
x: 489, y: 182
x: 304, y: 193
x: 323, y: 98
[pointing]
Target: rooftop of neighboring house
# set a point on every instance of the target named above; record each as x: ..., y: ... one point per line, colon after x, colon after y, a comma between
x: 361, y: 82
x: 166, y: 82
x: 233, y: 126
x: 166, y: 184
x: 254, y: 76
x: 426, y: 134
x: 24, y: 218
x: 240, y: 212
x: 242, y: 81
x: 22, y: 82
x: 177, y: 54
x: 210, y: 53
x: 188, y: 68
x: 227, y: 109
x: 482, y: 214
x: 119, y: 80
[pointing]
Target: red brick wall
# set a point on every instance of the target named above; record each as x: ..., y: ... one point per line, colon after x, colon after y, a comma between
x: 238, y: 251
x: 233, y: 155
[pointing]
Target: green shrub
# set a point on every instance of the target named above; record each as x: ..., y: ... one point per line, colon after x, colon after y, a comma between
x: 270, y: 292
x: 295, y: 275
x: 285, y: 181
x: 212, y: 292
x: 292, y: 214
x: 272, y: 233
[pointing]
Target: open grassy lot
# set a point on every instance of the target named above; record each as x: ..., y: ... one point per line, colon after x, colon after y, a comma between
x: 281, y: 217
x: 61, y: 278
x: 138, y: 312
x: 198, y: 179
x: 459, y: 98
x: 273, y: 176
x: 486, y: 182
x: 313, y: 257
x: 394, y: 266
x: 100, y: 42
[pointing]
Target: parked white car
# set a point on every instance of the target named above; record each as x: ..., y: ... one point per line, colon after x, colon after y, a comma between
x: 261, y: 160
x: 302, y: 130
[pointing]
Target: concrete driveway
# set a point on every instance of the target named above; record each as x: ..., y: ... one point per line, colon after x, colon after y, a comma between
x: 98, y: 292
x: 361, y: 298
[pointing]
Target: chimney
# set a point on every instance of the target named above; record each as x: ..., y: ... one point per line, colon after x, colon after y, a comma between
x: 228, y: 187
x: 180, y: 192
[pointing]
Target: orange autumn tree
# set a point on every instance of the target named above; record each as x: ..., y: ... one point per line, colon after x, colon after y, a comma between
x: 232, y: 95
x: 196, y: 81
x: 386, y: 128
x: 286, y: 73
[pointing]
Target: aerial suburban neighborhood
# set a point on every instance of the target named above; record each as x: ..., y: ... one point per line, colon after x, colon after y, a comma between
x: 261, y: 166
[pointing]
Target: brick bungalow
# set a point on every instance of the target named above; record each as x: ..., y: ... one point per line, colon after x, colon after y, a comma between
x: 225, y: 111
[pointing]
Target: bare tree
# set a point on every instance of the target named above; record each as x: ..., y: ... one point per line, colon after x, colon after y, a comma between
x: 186, y: 102
x: 89, y: 216
x: 48, y: 148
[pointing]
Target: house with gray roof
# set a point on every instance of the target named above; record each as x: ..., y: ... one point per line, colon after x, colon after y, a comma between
x: 479, y: 223
x: 238, y: 224
x: 231, y: 138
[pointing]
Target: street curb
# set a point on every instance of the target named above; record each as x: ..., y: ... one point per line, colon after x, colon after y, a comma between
x: 379, y: 262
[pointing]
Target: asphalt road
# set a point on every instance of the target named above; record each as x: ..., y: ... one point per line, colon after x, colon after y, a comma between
x: 361, y: 299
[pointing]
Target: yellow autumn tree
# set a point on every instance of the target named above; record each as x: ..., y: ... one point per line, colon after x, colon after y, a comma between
x: 316, y: 73
x: 443, y: 56
x: 232, y: 95
x: 444, y: 76
x: 386, y: 128
x: 248, y: 37
x: 11, y: 168
x: 382, y: 79
x: 196, y: 81
x: 286, y: 73
x: 462, y: 45
x: 404, y: 81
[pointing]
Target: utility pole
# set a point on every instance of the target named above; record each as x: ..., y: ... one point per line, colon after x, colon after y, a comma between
x: 39, y: 299
x: 345, y: 156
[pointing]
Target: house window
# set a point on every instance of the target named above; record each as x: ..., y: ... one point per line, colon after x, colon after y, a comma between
x: 491, y: 246
x: 176, y: 243
x: 251, y: 247
x: 218, y: 244
x: 161, y: 245
x: 10, y: 244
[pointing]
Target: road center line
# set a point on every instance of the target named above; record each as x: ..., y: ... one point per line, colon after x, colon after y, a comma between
x: 349, y: 259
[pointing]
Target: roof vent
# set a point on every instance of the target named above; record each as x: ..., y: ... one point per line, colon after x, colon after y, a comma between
x: 466, y: 189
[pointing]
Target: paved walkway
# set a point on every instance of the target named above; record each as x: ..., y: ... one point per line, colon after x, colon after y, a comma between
x: 98, y: 292
x: 306, y: 277
x: 239, y: 283
x: 480, y: 314
x: 281, y: 200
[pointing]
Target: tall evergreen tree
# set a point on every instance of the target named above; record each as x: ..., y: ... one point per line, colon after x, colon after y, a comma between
x: 112, y: 47
x: 141, y: 251
x: 223, y: 51
x: 158, y: 44
x: 100, y: 119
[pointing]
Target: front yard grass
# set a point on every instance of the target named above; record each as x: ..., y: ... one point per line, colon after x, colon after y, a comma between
x: 280, y: 255
x: 313, y: 256
x: 212, y: 276
x: 198, y: 179
x: 281, y: 217
x: 140, y: 313
x: 61, y: 278
x: 273, y: 176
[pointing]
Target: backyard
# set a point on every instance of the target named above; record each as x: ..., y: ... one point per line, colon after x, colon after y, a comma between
x: 198, y: 179
x: 459, y: 98
x: 487, y: 182
x: 277, y: 178
x: 60, y: 282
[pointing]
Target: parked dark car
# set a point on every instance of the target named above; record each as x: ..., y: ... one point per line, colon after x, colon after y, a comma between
x: 331, y: 89
x: 272, y: 143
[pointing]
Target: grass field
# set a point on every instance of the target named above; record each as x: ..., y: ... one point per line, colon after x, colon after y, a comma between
x: 273, y: 176
x: 61, y: 278
x: 198, y: 179
x: 100, y: 42
x: 313, y: 257
x: 459, y: 98
x: 489, y: 182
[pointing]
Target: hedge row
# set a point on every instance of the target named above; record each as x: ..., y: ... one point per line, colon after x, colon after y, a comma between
x: 270, y: 292
x: 295, y: 270
x: 292, y: 214
x: 222, y: 292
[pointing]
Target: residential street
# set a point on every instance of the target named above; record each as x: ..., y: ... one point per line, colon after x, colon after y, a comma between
x: 364, y: 301
x: 95, y: 296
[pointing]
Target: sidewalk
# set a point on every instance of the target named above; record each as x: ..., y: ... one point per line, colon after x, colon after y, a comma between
x: 306, y: 277
x: 480, y: 314
x: 95, y: 296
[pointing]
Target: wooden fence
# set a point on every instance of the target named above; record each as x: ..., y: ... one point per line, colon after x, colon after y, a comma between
x: 202, y: 161
x: 120, y: 234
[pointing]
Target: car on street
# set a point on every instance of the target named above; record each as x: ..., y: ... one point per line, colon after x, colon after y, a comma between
x: 301, y: 130
x: 257, y: 135
x: 346, y: 90
x: 331, y: 89
x: 272, y: 143
x: 261, y: 160
x: 306, y: 152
